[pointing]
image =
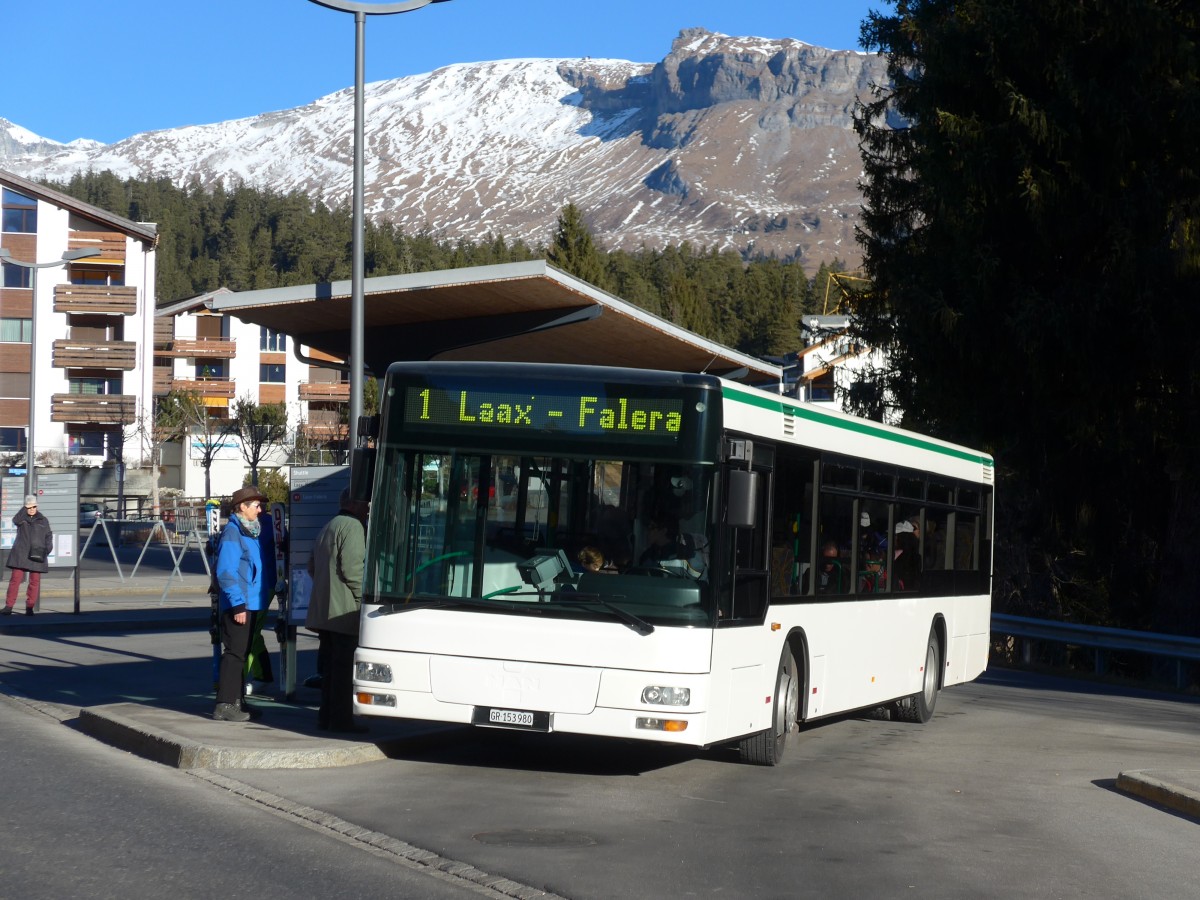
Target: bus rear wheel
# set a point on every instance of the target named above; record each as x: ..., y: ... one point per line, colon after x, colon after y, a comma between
x: 919, y: 706
x: 765, y: 748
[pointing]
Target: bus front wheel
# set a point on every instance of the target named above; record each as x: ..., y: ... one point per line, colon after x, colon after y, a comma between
x: 766, y: 747
x: 919, y: 707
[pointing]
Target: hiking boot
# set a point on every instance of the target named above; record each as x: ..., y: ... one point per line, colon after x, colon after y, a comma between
x: 230, y: 712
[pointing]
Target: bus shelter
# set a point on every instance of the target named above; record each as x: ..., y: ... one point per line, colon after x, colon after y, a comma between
x: 513, y: 312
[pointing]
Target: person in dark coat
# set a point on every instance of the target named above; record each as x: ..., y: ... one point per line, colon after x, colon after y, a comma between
x: 29, y: 554
x: 336, y: 566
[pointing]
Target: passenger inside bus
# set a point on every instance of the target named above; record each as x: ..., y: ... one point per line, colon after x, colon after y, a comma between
x: 906, y: 561
x: 873, y: 578
x: 831, y: 574
x: 592, y: 559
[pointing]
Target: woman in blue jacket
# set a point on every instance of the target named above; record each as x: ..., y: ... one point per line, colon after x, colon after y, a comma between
x: 239, y: 574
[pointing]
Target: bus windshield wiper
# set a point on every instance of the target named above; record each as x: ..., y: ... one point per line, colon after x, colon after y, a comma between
x: 638, y: 624
x: 391, y: 607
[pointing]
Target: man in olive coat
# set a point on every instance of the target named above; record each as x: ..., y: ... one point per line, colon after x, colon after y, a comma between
x: 336, y: 565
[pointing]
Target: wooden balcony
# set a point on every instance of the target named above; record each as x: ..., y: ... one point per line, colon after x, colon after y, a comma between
x: 325, y: 433
x: 329, y: 390
x: 70, y: 354
x: 205, y: 387
x: 95, y: 298
x: 111, y: 244
x: 164, y: 332
x: 200, y: 348
x: 162, y: 380
x: 100, y: 409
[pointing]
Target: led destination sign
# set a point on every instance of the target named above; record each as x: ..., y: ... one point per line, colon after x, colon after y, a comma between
x: 628, y: 416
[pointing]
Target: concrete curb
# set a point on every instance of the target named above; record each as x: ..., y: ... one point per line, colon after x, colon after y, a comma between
x: 191, y: 740
x: 111, y: 725
x: 1180, y: 793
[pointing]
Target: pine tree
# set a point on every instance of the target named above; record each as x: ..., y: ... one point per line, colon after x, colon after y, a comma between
x: 573, y: 249
x: 1037, y: 209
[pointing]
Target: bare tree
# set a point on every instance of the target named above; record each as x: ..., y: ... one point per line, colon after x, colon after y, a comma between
x: 261, y: 428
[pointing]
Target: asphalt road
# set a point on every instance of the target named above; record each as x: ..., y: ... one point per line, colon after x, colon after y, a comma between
x: 1007, y: 792
x: 85, y: 820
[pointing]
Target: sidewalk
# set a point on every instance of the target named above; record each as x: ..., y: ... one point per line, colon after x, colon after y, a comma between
x: 173, y: 725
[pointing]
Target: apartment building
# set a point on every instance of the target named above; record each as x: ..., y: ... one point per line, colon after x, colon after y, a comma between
x: 223, y: 359
x: 76, y: 335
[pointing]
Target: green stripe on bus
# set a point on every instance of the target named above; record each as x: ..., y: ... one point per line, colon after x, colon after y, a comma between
x: 867, y: 428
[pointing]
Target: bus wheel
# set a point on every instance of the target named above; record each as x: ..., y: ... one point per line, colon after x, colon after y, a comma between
x: 919, y: 707
x: 766, y: 747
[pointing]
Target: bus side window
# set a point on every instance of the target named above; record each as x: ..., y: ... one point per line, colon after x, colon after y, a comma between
x: 835, y: 538
x: 791, y: 526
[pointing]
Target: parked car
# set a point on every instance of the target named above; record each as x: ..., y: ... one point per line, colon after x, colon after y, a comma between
x: 90, y: 512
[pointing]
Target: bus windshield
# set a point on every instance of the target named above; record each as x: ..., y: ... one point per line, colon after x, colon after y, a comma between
x: 627, y: 536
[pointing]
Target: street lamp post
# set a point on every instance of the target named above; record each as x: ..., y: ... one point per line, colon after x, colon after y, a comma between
x: 5, y: 257
x: 357, y: 314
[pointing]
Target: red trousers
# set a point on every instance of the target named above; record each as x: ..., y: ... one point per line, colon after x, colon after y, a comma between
x: 31, y: 592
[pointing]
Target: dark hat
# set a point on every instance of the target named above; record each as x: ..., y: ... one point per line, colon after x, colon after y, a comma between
x: 245, y: 495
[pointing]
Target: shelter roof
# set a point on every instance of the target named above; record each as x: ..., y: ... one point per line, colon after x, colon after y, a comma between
x: 526, y: 311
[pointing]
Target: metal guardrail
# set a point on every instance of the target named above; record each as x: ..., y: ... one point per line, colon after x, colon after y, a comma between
x: 1170, y: 646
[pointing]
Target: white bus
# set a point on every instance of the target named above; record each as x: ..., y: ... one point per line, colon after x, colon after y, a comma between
x: 762, y: 562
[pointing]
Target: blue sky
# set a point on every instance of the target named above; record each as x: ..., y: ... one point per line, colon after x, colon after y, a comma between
x: 78, y: 68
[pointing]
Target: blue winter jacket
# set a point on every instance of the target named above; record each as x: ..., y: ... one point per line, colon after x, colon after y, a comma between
x: 239, y: 569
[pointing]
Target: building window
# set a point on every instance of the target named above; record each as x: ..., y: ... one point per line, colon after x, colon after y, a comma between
x: 12, y: 440
x: 210, y: 371
x: 16, y: 331
x: 20, y: 212
x: 16, y: 276
x: 270, y: 374
x: 89, y: 275
x: 272, y: 341
x: 85, y: 443
x: 94, y: 385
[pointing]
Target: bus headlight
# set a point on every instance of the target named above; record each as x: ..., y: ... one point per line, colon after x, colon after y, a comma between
x: 667, y: 696
x: 373, y: 671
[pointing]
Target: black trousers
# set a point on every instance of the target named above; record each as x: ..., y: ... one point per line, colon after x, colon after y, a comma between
x: 231, y: 677
x: 335, y: 661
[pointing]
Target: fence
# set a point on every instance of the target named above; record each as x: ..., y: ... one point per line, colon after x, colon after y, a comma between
x: 1182, y: 651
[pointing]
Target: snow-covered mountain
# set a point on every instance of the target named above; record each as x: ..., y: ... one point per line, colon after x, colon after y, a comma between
x: 728, y: 142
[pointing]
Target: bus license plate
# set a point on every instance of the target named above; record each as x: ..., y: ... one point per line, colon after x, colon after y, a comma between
x: 511, y: 718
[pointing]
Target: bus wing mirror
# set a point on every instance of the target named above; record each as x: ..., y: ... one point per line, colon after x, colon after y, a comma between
x: 362, y: 473
x: 743, y: 496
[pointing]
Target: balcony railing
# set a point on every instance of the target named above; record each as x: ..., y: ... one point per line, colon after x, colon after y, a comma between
x: 111, y: 244
x: 325, y: 433
x: 329, y: 390
x: 201, y: 348
x: 100, y: 409
x: 205, y: 387
x: 164, y: 332
x: 70, y: 354
x: 95, y: 298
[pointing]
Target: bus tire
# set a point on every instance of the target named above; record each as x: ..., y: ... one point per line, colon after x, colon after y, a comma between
x: 919, y: 707
x: 765, y: 748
